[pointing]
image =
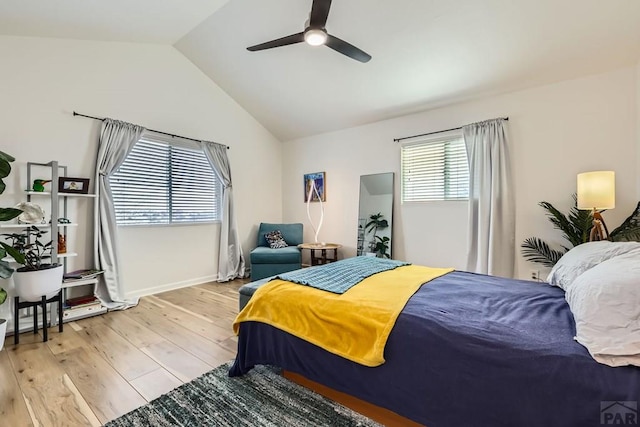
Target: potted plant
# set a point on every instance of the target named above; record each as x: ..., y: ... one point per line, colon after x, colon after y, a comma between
x: 575, y: 228
x: 377, y: 245
x: 6, y: 214
x: 3, y: 322
x: 382, y: 246
x: 38, y: 276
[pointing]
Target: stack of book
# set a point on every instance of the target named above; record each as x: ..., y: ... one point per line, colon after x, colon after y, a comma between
x: 82, y: 306
x: 82, y: 302
x: 87, y: 273
x: 77, y: 308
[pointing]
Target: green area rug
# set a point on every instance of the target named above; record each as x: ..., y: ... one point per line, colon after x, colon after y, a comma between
x: 260, y: 398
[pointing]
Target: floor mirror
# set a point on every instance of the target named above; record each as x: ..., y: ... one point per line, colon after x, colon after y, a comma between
x: 375, y: 215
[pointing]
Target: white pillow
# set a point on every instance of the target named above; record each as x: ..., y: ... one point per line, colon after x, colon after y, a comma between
x: 583, y: 257
x: 605, y: 302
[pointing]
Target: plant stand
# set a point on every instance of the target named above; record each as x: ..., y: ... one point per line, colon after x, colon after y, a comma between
x: 43, y: 304
x: 3, y: 332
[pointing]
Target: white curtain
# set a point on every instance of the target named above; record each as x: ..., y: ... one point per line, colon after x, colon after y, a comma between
x: 491, y: 201
x: 230, y: 259
x: 116, y: 141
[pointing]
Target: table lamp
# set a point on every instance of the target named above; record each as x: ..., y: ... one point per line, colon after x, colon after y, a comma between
x: 597, y: 191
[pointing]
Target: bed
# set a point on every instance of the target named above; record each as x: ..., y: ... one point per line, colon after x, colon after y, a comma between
x: 466, y: 350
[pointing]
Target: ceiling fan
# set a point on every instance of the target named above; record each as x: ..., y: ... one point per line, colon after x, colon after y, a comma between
x: 315, y: 34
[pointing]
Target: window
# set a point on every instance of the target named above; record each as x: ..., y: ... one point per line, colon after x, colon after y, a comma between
x: 160, y: 183
x: 436, y: 169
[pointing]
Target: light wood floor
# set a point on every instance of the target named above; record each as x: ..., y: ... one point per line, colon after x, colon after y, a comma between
x: 103, y: 367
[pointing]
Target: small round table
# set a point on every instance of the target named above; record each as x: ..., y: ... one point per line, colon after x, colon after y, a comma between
x: 321, y: 258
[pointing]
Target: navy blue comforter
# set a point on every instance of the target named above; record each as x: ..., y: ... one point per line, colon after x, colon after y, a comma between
x: 467, y: 350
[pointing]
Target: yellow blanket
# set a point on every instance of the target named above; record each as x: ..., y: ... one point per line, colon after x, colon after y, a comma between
x: 354, y: 325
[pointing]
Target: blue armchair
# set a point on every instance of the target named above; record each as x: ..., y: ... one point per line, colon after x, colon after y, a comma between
x: 267, y: 262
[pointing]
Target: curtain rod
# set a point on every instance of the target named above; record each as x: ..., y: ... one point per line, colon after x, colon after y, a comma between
x: 438, y: 131
x: 151, y: 130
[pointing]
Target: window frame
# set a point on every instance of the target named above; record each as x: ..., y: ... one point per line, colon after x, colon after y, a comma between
x: 427, y: 140
x: 178, y: 143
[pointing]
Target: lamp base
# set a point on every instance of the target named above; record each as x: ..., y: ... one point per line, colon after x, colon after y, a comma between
x: 599, y: 230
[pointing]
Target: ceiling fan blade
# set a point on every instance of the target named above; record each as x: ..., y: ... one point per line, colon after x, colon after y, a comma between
x: 319, y: 13
x: 284, y: 41
x: 348, y: 49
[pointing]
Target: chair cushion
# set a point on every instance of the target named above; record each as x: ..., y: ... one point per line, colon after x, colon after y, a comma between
x: 264, y: 255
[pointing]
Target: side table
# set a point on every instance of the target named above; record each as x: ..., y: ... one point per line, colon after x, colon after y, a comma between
x: 319, y: 252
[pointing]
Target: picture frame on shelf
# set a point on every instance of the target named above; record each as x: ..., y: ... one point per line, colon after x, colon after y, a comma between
x: 73, y: 185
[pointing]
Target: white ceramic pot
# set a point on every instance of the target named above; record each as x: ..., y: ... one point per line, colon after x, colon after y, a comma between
x: 3, y: 332
x: 31, y: 285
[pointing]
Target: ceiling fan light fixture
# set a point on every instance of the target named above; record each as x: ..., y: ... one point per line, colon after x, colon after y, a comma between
x: 315, y: 34
x: 315, y: 37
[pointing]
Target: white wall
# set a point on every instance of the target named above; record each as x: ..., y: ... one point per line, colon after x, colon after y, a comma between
x: 556, y: 131
x: 43, y: 80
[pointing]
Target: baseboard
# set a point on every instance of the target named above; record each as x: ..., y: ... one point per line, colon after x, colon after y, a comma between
x: 170, y: 286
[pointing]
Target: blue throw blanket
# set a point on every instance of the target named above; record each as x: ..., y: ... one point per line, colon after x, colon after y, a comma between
x: 350, y: 271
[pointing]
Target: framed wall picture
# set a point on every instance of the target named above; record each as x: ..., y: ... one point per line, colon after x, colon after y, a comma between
x: 73, y: 185
x: 317, y: 180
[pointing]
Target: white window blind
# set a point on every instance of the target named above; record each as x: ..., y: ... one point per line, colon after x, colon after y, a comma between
x: 160, y: 183
x: 435, y: 170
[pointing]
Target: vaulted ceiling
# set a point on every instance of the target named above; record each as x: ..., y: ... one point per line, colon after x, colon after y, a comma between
x: 426, y: 53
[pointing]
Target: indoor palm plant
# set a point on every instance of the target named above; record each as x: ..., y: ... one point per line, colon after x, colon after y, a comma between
x: 6, y: 214
x: 575, y: 227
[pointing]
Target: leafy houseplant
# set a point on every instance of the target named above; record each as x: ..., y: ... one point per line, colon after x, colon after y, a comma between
x: 6, y: 214
x: 575, y: 227
x: 382, y: 246
x: 36, y: 277
x: 379, y: 245
x: 33, y: 252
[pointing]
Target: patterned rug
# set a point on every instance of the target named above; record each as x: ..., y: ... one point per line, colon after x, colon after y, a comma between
x: 261, y: 398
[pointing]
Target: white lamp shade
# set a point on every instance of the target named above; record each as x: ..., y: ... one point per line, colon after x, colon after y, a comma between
x: 597, y: 190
